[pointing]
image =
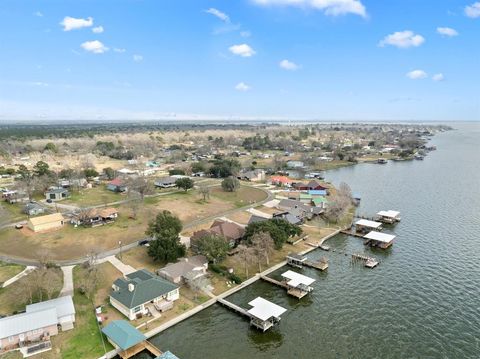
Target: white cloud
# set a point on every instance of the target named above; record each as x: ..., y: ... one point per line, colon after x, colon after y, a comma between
x: 221, y: 15
x: 243, y: 50
x: 71, y: 23
x: 447, y: 31
x: 438, y: 77
x: 242, y: 86
x: 329, y: 7
x: 417, y: 74
x: 38, y: 13
x: 288, y: 65
x: 245, y: 34
x: 403, y: 39
x: 137, y: 58
x: 98, y: 29
x: 119, y: 50
x: 473, y: 10
x: 94, y: 46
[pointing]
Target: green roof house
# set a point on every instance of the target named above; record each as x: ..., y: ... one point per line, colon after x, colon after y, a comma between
x: 134, y: 294
x: 122, y: 335
x: 320, y: 202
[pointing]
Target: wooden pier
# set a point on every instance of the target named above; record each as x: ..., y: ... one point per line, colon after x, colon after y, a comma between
x: 140, y: 347
x: 234, y: 307
x: 352, y: 233
x: 298, y: 261
x: 369, y: 262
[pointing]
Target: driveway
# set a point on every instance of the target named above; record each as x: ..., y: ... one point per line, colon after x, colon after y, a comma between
x: 67, y: 281
x: 122, y: 267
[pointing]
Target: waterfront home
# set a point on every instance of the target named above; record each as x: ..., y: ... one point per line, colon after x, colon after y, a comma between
x: 264, y: 314
x: 378, y: 239
x: 166, y: 182
x: 315, y: 185
x: 64, y: 308
x: 33, y: 209
x: 32, y: 330
x: 389, y: 216
x: 298, y: 285
x: 320, y: 202
x: 299, y: 209
x: 364, y: 226
x: 318, y: 192
x: 294, y: 216
x: 230, y: 231
x: 117, y: 185
x: 177, y: 272
x: 256, y: 175
x: 134, y: 294
x: 56, y: 194
x: 47, y: 222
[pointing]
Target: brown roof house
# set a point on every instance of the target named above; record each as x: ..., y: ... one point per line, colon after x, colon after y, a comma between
x: 232, y: 232
x: 43, y: 223
x: 178, y: 272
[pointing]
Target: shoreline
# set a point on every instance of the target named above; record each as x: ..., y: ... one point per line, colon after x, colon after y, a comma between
x: 214, y: 300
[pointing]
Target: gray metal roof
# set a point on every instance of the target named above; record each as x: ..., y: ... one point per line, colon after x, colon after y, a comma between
x: 63, y: 305
x: 22, y: 323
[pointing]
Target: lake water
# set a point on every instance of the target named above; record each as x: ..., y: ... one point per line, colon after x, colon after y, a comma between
x: 422, y: 301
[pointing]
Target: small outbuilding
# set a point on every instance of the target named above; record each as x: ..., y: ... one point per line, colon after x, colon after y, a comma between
x: 48, y: 222
x: 56, y: 194
x: 33, y: 209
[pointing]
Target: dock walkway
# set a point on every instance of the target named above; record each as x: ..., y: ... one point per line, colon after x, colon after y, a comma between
x: 234, y: 307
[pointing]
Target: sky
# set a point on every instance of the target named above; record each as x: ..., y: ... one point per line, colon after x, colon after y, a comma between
x: 330, y: 60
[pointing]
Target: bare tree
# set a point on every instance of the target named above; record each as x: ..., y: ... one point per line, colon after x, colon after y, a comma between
x: 141, y: 185
x: 246, y: 254
x: 135, y: 201
x: 264, y: 246
x: 196, y: 283
x: 204, y: 191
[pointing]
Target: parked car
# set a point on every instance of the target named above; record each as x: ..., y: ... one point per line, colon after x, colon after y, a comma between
x: 18, y: 226
x: 143, y: 242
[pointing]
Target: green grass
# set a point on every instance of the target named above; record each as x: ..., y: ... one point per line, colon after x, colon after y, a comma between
x: 93, y: 196
x: 13, y: 211
x: 8, y: 270
x: 85, y: 340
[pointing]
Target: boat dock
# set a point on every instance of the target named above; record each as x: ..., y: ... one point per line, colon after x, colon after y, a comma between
x: 234, y: 307
x: 352, y: 233
x: 369, y: 262
x: 299, y: 261
x: 322, y: 264
x: 263, y: 315
x: 145, y: 345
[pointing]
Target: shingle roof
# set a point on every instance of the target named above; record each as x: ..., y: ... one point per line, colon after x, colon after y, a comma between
x: 25, y: 322
x: 228, y: 230
x: 147, y: 286
x: 123, y: 334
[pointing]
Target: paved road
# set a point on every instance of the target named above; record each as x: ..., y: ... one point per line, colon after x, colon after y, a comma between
x: 115, y: 251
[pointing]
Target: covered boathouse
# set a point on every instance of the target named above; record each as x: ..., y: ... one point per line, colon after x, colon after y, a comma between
x: 365, y: 226
x: 377, y: 239
x: 264, y: 314
x: 298, y: 285
x: 389, y: 217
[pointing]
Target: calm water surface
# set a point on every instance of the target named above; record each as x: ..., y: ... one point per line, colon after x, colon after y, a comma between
x: 421, y: 302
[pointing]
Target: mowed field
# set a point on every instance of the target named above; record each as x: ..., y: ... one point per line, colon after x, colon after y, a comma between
x: 72, y: 243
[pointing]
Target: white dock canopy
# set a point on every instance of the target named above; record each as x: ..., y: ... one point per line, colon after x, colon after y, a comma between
x: 369, y: 224
x: 380, y: 237
x: 389, y: 214
x: 264, y: 310
x: 297, y: 279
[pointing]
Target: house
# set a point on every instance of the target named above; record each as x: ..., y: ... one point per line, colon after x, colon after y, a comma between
x: 320, y: 202
x: 56, y: 193
x: 295, y: 164
x: 134, y: 294
x: 232, y: 233
x: 28, y: 328
x: 34, y: 328
x: 281, y: 181
x: 166, y: 182
x: 305, y: 197
x: 95, y: 217
x: 177, y: 272
x: 315, y: 185
x: 296, y: 217
x: 256, y: 175
x: 33, y: 209
x: 15, y: 196
x: 254, y: 219
x: 43, y: 223
x: 117, y: 185
x: 76, y: 182
x: 317, y: 192
x: 64, y: 308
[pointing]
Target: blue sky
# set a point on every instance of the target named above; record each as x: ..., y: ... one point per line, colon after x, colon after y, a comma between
x: 300, y: 59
